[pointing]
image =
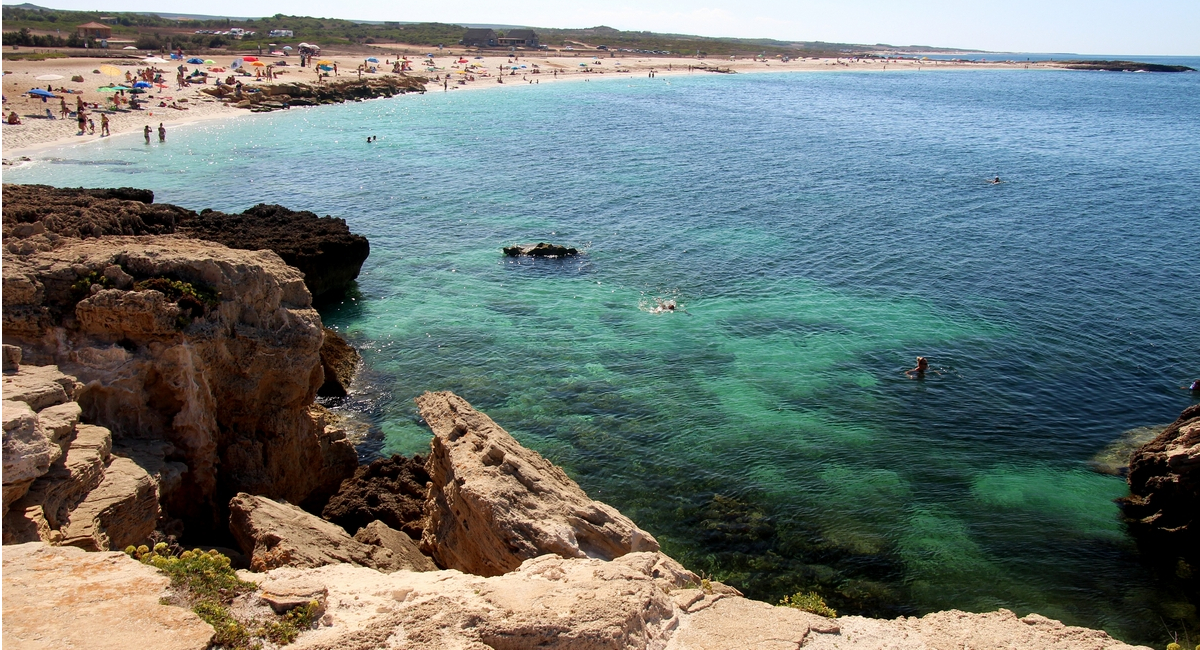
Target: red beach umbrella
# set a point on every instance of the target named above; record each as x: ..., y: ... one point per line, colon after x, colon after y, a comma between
x: 249, y: 58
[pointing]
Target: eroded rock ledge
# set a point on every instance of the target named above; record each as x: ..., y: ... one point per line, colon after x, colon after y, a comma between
x: 37, y: 217
x: 1163, y: 509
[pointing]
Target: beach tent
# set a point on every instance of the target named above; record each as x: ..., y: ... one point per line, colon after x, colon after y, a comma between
x: 48, y: 77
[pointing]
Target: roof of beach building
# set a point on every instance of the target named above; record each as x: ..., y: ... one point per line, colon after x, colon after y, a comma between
x: 520, y: 33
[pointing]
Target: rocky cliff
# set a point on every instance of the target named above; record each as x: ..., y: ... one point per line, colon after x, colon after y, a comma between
x: 282, y: 95
x: 190, y: 353
x: 1163, y: 508
x: 328, y: 255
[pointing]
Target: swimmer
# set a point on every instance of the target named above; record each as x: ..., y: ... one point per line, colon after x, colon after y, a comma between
x: 662, y: 306
x: 1195, y: 387
x: 995, y: 181
x: 919, y: 371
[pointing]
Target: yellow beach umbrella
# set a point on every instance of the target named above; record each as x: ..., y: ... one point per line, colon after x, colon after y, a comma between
x: 111, y: 70
x: 324, y: 62
x: 258, y: 64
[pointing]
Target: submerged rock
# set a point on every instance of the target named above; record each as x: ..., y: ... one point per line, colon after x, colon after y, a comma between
x: 540, y: 249
x: 1114, y: 458
x: 1163, y: 508
x: 494, y: 504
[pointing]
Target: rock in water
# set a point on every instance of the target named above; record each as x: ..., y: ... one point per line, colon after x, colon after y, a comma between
x: 391, y: 490
x: 540, y: 249
x: 494, y: 504
x: 279, y: 534
x: 1164, y: 479
x: 62, y: 597
x: 339, y: 361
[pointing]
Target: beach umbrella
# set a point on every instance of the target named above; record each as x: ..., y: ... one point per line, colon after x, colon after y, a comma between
x: 111, y: 70
x: 326, y: 68
x: 372, y: 59
x: 154, y: 59
x: 49, y: 77
x: 324, y: 62
x: 195, y: 60
x: 250, y: 58
x: 258, y: 64
x: 142, y: 84
x: 287, y: 48
x: 41, y: 93
x: 237, y: 63
x: 129, y: 47
x: 209, y: 62
x: 137, y: 91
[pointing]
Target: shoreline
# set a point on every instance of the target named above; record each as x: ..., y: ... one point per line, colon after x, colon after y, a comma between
x: 39, y: 134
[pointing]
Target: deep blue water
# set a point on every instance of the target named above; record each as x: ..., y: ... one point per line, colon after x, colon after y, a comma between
x: 819, y: 231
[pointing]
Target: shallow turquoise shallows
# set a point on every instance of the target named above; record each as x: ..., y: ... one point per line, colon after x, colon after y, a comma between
x: 818, y: 232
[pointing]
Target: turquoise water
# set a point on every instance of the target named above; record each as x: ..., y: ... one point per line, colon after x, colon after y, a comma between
x: 818, y: 231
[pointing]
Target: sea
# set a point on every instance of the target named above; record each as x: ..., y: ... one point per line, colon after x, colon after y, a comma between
x: 817, y: 232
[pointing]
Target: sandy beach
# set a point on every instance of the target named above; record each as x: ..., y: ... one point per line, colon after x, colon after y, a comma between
x: 447, y: 71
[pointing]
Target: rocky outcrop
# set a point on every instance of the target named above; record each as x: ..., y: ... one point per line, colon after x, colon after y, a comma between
x: 38, y: 217
x: 323, y: 248
x: 1163, y: 508
x: 62, y: 597
x: 1124, y: 66
x: 279, y: 95
x: 39, y: 418
x: 391, y: 490
x: 339, y: 360
x: 494, y: 504
x: 86, y: 496
x: 203, y: 356
x: 541, y: 249
x: 279, y: 534
x: 408, y: 557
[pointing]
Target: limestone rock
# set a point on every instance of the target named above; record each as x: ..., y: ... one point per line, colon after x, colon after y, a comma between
x: 540, y: 249
x: 120, y: 512
x: 12, y: 358
x: 58, y: 422
x: 225, y: 369
x: 27, y: 450
x: 339, y: 361
x: 494, y: 504
x: 391, y: 490
x: 279, y: 534
x: 62, y: 597
x: 952, y: 630
x: 727, y: 623
x: 1164, y: 480
x: 39, y: 386
x: 284, y: 593
x: 408, y: 557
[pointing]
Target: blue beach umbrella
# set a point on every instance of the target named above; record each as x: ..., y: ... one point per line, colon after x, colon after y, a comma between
x: 142, y: 84
x: 326, y: 68
x: 41, y: 93
x: 373, y: 59
x: 195, y: 60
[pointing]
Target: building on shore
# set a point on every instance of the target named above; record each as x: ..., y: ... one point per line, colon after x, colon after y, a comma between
x: 519, y: 38
x: 94, y: 30
x: 479, y: 38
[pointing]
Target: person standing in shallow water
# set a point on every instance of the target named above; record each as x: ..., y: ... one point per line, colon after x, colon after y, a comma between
x: 146, y: 132
x: 162, y: 132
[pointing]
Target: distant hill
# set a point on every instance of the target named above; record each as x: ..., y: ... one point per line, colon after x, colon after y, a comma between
x: 155, y: 30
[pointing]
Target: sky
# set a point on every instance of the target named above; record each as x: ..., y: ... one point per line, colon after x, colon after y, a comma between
x: 1118, y: 27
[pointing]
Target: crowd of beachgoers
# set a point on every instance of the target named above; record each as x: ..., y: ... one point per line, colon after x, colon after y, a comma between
x: 80, y: 99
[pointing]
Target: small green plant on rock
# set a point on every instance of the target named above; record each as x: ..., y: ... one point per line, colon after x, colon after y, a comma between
x: 194, y: 300
x: 205, y: 582
x: 810, y: 601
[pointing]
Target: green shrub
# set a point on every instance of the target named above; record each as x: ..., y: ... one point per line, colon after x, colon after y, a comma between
x: 810, y: 601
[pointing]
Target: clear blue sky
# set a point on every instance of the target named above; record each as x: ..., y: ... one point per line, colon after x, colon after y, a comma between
x: 1148, y: 27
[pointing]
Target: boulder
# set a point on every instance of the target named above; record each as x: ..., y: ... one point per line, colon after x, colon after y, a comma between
x: 275, y: 534
x: 494, y: 504
x: 27, y: 450
x: 1163, y: 509
x: 408, y: 557
x: 212, y: 351
x: 540, y: 249
x: 339, y: 361
x: 37, y: 416
x: 120, y: 512
x: 12, y: 358
x: 391, y: 490
x: 62, y: 597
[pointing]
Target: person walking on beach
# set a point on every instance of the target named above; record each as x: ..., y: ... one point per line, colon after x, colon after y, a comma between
x: 146, y: 132
x: 103, y: 125
x: 162, y: 132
